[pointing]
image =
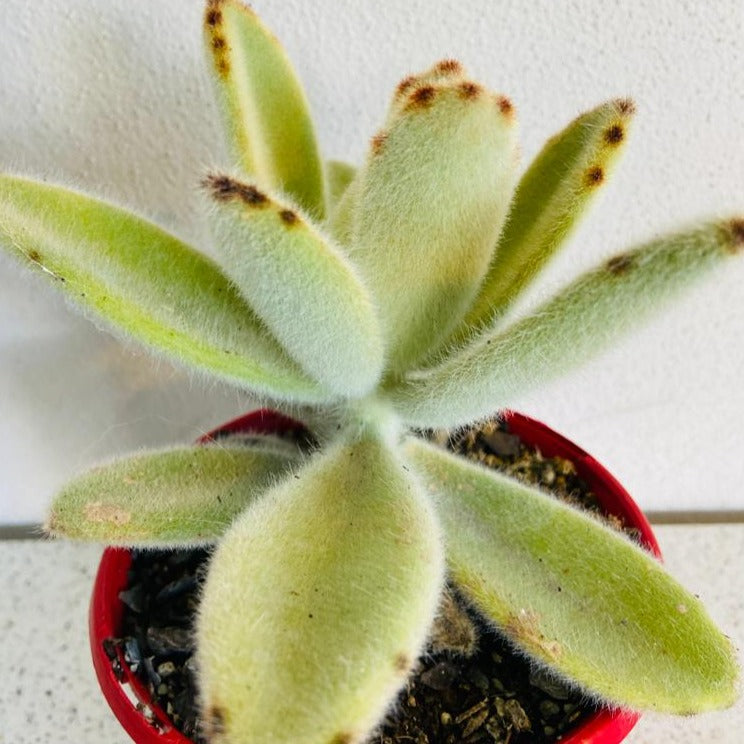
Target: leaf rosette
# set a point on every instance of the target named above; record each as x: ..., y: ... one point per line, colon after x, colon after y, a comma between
x: 376, y: 299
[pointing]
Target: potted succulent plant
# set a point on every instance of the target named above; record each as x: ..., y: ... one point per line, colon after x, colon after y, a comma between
x: 126, y: 608
x: 372, y: 304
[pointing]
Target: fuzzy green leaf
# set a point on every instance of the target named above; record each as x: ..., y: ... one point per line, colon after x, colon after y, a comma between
x: 265, y: 110
x: 340, y: 222
x: 301, y: 285
x: 179, y: 497
x: 338, y: 177
x: 318, y: 601
x: 575, y: 594
x: 147, y: 284
x: 579, y: 322
x: 551, y: 197
x: 429, y: 205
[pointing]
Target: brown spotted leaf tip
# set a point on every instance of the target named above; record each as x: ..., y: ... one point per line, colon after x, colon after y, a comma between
x: 625, y: 106
x: 505, y: 105
x: 594, y: 176
x: 614, y: 134
x: 620, y: 264
x: 450, y: 67
x: 224, y: 188
x: 736, y: 230
x: 469, y: 90
x: 421, y: 97
x: 265, y: 111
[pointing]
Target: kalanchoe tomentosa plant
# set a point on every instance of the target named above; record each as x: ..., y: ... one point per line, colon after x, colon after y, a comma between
x: 377, y: 298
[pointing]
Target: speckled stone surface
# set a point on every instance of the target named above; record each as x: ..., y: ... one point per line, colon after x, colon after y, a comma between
x: 48, y: 692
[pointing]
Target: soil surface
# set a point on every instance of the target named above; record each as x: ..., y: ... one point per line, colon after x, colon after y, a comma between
x: 469, y: 686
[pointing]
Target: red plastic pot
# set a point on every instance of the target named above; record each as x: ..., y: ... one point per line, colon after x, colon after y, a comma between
x: 106, y: 610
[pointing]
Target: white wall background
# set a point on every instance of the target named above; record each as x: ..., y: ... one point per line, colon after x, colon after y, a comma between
x: 112, y: 95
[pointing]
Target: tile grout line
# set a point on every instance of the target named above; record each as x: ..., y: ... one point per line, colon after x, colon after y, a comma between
x: 724, y: 516
x: 25, y: 531
x: 33, y: 531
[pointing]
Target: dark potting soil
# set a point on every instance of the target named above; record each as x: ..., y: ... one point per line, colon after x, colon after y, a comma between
x: 469, y: 686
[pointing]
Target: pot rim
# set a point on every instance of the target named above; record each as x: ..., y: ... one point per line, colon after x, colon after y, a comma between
x: 607, y: 726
